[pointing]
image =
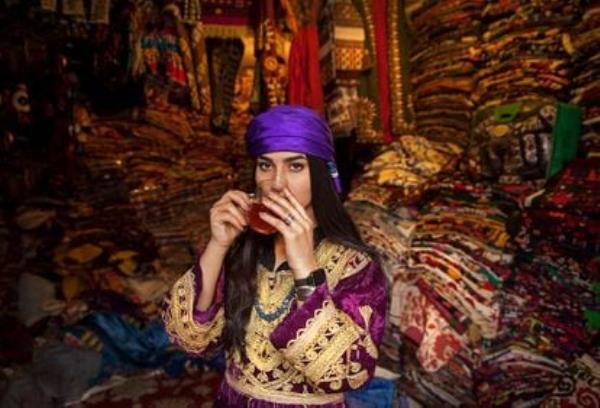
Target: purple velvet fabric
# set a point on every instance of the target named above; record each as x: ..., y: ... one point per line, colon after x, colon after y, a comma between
x: 210, y: 313
x: 367, y: 287
x: 293, y: 128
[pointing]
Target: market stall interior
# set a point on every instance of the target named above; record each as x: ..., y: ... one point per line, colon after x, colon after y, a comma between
x: 467, y: 136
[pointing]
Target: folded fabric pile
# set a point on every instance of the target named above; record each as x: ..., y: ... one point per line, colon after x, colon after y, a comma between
x: 450, y: 386
x: 411, y: 164
x: 462, y: 246
x: 522, y: 51
x: 578, y: 385
x: 446, y: 261
x: 460, y: 257
x: 108, y: 250
x: 523, y: 141
x: 520, y: 131
x: 77, y: 257
x: 567, y: 212
x: 138, y: 212
x: 539, y: 336
x: 388, y: 232
x: 171, y: 183
x: 443, y: 61
x: 586, y: 85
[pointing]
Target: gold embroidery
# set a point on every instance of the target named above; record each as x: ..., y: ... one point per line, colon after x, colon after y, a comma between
x: 323, y: 348
x: 315, y: 328
x: 343, y: 334
x: 262, y: 357
x: 366, y: 312
x: 179, y: 317
x: 282, y: 397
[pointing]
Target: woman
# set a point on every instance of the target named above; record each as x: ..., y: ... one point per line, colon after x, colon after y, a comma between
x: 300, y: 313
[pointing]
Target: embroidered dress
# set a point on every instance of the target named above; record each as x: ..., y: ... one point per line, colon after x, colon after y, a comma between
x: 295, y: 355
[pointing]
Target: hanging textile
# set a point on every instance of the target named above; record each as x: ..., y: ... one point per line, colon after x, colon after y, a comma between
x: 381, y: 53
x: 304, y: 80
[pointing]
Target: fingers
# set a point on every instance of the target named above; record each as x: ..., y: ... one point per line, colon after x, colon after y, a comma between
x: 276, y: 222
x: 231, y: 208
x: 231, y: 215
x: 296, y: 204
x: 236, y: 197
x: 283, y: 208
x: 239, y: 198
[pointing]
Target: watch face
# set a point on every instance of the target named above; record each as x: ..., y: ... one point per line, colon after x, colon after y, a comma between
x: 318, y: 277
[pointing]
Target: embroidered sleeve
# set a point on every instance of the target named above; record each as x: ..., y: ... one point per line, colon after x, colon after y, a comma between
x: 193, y: 330
x: 333, y: 337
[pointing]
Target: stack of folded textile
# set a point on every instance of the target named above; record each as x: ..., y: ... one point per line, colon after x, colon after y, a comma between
x: 522, y: 51
x: 539, y: 336
x: 578, y: 385
x: 524, y: 141
x: 586, y: 86
x: 446, y: 260
x: 451, y: 385
x: 443, y: 61
x: 520, y: 130
x: 107, y: 249
x: 388, y: 232
x: 411, y: 165
x: 566, y: 213
x: 462, y: 246
x: 170, y: 182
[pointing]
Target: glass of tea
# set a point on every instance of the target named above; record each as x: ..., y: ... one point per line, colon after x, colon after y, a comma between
x: 256, y: 223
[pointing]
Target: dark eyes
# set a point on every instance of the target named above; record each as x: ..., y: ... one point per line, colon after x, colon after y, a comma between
x: 264, y: 166
x: 294, y: 166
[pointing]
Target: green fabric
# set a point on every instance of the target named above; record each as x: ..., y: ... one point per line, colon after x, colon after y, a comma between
x: 593, y: 319
x: 507, y: 113
x: 565, y: 137
x: 596, y: 289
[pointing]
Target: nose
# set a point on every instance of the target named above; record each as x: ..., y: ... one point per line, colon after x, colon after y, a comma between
x: 279, y: 181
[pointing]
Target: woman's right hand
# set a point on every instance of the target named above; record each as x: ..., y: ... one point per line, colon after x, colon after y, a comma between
x: 228, y: 217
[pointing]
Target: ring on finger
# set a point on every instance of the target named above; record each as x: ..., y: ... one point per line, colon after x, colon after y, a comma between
x: 288, y: 219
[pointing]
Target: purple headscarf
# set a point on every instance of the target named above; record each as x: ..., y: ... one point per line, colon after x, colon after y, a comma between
x: 293, y: 128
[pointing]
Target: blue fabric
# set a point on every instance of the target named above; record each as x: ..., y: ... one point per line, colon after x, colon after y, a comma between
x: 377, y: 393
x: 127, y: 347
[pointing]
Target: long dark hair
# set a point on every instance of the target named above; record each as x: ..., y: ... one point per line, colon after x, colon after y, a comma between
x: 241, y: 262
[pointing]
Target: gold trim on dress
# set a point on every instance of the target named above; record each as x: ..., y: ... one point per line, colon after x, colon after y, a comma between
x: 282, y: 397
x: 179, y: 317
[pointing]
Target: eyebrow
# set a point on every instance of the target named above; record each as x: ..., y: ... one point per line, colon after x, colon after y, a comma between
x: 287, y: 160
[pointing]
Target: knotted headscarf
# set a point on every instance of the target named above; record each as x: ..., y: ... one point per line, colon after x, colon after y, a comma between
x: 293, y: 128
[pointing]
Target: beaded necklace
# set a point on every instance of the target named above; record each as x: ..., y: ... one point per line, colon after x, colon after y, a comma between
x: 270, y: 317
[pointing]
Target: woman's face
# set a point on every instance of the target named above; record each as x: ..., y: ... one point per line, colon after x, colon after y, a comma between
x: 278, y: 170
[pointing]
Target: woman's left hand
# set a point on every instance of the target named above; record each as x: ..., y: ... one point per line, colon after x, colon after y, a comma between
x: 296, y: 227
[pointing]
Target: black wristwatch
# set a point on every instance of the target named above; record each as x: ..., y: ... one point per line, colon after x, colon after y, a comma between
x: 315, y: 278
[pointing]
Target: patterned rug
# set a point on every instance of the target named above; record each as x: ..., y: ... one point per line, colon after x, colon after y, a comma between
x: 197, y: 390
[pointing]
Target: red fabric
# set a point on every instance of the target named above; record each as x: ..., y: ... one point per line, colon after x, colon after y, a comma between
x: 380, y: 23
x: 304, y: 83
